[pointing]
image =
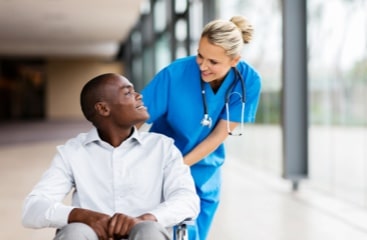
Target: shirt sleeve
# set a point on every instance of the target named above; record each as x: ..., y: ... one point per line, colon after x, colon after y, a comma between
x: 251, y: 95
x: 253, y: 89
x: 43, y: 207
x: 180, y: 198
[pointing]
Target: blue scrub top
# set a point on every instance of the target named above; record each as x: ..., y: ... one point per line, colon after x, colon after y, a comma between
x: 176, y: 107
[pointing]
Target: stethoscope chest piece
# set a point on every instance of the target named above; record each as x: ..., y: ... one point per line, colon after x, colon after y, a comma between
x: 206, y: 121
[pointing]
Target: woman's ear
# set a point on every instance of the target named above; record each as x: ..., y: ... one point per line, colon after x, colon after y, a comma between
x: 102, y: 108
x: 235, y: 60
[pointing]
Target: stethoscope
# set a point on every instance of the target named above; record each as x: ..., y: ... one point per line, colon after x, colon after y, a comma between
x: 207, y: 120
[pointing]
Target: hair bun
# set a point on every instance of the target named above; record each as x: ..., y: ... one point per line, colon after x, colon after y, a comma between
x: 244, y: 26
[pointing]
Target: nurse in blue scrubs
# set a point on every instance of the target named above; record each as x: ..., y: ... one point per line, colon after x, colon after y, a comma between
x: 200, y: 100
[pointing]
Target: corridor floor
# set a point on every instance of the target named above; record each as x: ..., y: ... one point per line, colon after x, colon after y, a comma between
x: 254, y: 206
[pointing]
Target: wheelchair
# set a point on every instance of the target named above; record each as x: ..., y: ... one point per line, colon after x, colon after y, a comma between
x: 180, y: 231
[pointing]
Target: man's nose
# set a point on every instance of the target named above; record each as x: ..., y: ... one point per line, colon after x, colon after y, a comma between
x: 138, y: 95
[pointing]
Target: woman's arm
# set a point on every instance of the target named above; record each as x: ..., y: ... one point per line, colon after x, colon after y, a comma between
x: 210, y: 143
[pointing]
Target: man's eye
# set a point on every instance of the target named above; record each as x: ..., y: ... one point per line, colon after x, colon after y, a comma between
x: 213, y: 62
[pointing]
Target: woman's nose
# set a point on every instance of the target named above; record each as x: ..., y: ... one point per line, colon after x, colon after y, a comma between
x: 203, y: 65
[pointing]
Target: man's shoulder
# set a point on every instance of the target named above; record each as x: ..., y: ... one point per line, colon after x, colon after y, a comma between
x: 159, y: 145
x: 154, y: 137
x: 74, y: 143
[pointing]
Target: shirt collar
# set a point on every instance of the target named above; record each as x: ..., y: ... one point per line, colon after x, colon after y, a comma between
x: 92, y: 136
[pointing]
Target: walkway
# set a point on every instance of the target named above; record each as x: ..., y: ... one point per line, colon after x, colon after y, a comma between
x: 254, y: 206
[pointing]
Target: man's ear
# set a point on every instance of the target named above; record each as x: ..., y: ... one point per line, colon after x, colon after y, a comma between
x: 102, y: 108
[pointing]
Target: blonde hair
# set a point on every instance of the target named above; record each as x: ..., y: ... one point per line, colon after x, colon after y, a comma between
x: 230, y: 35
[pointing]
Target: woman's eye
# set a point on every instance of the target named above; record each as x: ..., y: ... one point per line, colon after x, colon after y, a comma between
x: 213, y: 62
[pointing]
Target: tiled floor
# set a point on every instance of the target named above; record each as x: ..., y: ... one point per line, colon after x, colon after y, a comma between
x: 254, y: 206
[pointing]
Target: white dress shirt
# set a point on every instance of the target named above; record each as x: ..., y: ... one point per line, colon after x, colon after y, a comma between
x: 145, y: 174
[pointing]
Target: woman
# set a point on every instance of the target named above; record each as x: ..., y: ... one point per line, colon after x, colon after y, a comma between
x: 187, y: 101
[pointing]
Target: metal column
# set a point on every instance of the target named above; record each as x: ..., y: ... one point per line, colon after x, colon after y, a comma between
x: 294, y: 95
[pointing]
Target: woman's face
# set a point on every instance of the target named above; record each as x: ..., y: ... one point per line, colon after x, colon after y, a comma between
x: 213, y: 61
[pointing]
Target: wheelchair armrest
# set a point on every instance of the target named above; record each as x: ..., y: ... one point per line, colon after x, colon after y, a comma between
x: 181, y: 232
x: 187, y: 221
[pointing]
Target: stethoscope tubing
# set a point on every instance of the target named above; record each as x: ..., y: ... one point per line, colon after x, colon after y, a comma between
x: 207, y: 120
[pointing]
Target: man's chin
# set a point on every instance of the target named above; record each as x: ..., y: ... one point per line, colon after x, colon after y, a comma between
x: 142, y: 119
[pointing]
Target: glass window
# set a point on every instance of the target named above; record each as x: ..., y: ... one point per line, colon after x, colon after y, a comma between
x: 163, y: 54
x: 136, y: 42
x: 145, y: 7
x: 137, y: 66
x: 337, y: 32
x: 148, y: 64
x: 181, y: 30
x: 264, y: 53
x: 160, y: 16
x: 180, y: 6
x: 196, y: 24
x: 181, y: 51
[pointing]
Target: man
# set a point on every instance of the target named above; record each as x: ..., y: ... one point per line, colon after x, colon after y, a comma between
x: 125, y: 183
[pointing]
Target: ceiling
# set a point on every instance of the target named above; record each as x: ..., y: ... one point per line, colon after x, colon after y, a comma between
x: 65, y: 28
